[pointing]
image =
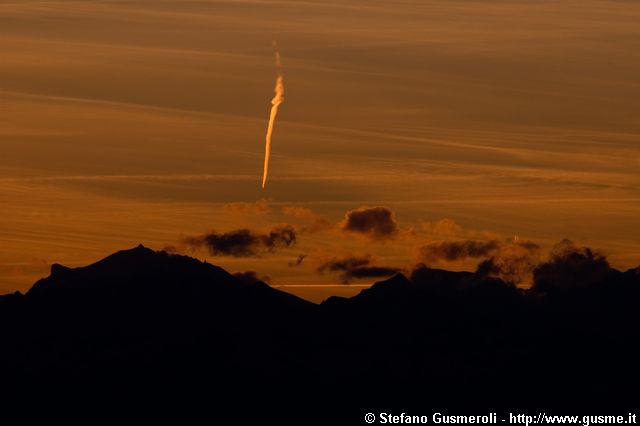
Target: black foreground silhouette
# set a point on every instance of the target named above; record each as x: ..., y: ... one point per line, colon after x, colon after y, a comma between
x: 152, y: 335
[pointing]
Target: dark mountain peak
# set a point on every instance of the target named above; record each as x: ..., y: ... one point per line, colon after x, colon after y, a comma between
x: 426, y: 285
x: 423, y: 275
x: 10, y: 297
x: 396, y: 281
x: 388, y: 289
x: 136, y: 268
x: 381, y: 291
x: 137, y: 254
x: 58, y: 269
x: 334, y: 301
x: 140, y: 276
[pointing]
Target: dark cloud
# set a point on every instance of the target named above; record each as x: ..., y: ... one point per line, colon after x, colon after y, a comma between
x: 443, y: 281
x: 513, y: 262
x: 251, y: 277
x: 510, y: 260
x: 374, y: 222
x: 457, y: 250
x: 571, y: 267
x: 528, y: 245
x: 512, y: 268
x: 244, y: 242
x: 298, y: 261
x: 465, y: 249
x: 488, y: 267
x: 352, y: 267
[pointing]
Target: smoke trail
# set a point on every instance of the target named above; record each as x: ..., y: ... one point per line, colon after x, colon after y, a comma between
x: 278, y: 98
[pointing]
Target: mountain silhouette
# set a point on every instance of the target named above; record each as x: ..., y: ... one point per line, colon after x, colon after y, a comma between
x: 162, y: 335
x: 144, y: 274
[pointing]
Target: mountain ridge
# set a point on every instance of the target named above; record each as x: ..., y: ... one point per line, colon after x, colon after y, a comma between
x: 172, y: 335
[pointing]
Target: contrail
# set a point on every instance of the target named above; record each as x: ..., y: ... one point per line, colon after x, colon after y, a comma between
x: 278, y: 98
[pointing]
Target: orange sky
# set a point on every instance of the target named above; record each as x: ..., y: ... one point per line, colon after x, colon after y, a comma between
x: 124, y: 122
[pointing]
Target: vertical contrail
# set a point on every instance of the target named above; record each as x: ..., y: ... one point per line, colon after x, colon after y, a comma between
x: 278, y: 98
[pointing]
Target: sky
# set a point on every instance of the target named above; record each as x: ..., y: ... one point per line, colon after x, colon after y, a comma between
x: 442, y: 132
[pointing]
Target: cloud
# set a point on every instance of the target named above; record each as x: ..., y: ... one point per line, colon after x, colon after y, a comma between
x: 465, y: 249
x: 446, y: 228
x: 375, y: 222
x: 251, y: 277
x: 244, y: 242
x: 513, y: 262
x: 260, y: 207
x: 170, y: 249
x: 571, y: 267
x: 449, y: 229
x: 457, y: 250
x: 352, y: 267
x: 317, y: 222
x: 299, y: 212
x: 448, y: 282
x: 298, y: 261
